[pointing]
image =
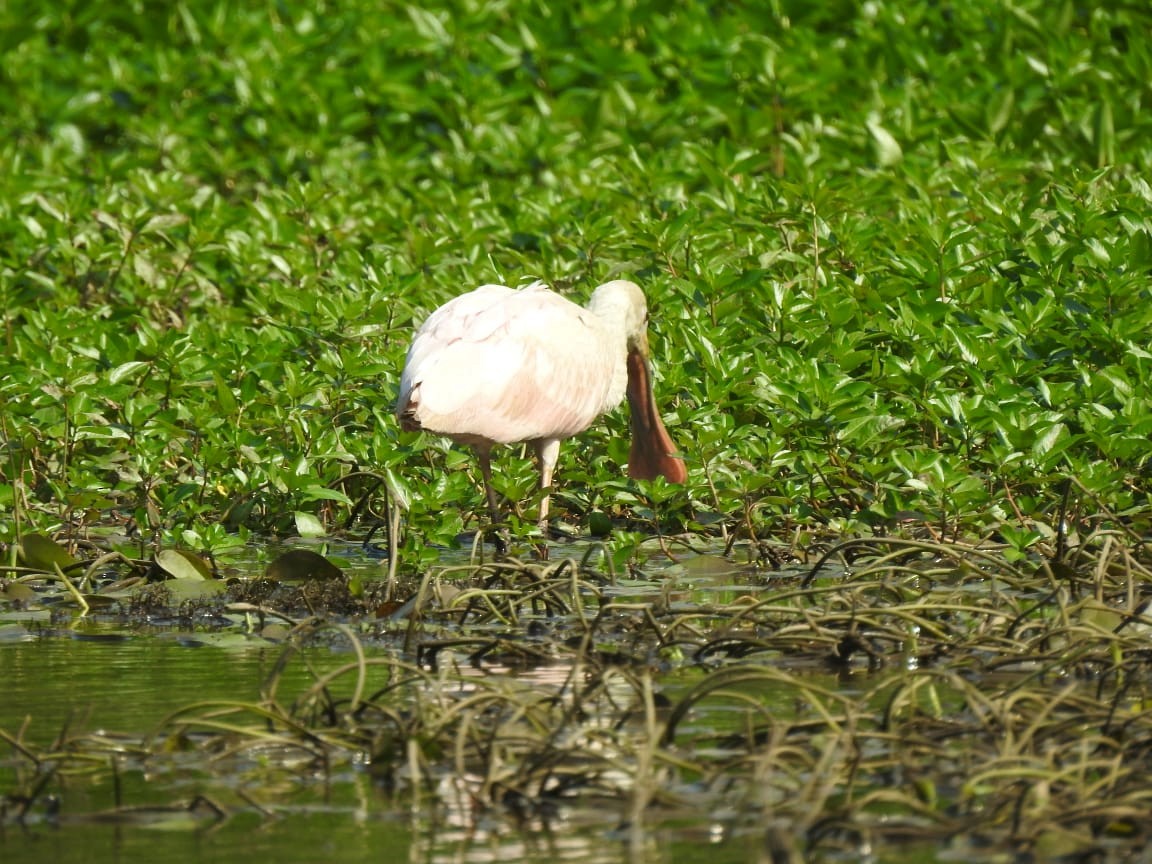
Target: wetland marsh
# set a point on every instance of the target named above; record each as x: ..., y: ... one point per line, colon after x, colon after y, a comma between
x: 897, y: 260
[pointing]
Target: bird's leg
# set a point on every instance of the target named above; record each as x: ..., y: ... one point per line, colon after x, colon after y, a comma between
x: 546, y: 498
x: 485, y: 454
x: 548, y: 450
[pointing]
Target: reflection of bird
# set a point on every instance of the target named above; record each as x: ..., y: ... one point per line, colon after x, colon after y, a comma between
x: 498, y: 366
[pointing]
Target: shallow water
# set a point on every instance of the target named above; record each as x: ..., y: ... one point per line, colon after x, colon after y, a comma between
x: 125, y: 678
x: 340, y: 835
x: 95, y: 678
x: 132, y: 684
x: 124, y: 683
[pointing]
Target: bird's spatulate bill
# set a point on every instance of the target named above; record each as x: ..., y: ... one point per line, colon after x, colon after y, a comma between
x: 651, y: 445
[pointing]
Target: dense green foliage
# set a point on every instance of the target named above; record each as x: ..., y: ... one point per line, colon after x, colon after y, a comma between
x: 898, y: 253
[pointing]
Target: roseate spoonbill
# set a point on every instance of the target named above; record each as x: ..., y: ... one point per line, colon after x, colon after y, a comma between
x: 500, y: 366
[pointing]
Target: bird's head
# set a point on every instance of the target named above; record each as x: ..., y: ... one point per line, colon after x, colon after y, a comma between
x: 623, y: 301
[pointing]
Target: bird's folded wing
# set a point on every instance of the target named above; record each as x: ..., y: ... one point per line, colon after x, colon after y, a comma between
x: 509, y: 366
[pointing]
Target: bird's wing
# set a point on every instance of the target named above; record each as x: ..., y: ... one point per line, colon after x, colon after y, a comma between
x: 464, y: 318
x: 505, y: 366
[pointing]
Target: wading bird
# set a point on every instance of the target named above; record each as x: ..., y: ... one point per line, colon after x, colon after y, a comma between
x: 501, y: 366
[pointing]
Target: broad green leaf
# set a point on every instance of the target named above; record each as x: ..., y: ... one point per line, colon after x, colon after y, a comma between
x: 280, y: 264
x: 1092, y: 611
x: 1105, y: 134
x: 307, y: 525
x: 180, y: 564
x: 301, y: 564
x: 1000, y: 110
x: 109, y: 221
x: 42, y: 553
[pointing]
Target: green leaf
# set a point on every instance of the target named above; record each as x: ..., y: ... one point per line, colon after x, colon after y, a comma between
x: 1000, y: 110
x: 42, y: 553
x: 1105, y: 134
x: 162, y: 222
x: 125, y: 371
x: 886, y: 147
x: 180, y: 564
x: 225, y: 398
x: 307, y: 525
x: 1047, y: 441
x: 302, y: 564
x: 399, y: 491
x: 323, y: 493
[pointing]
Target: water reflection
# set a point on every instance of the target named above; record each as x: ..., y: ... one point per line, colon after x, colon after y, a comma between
x: 122, y: 684
x: 107, y: 677
x: 351, y: 821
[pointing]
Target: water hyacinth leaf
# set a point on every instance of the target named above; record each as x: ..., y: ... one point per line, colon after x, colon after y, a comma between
x: 180, y: 564
x: 49, y: 207
x: 179, y: 818
x: 1105, y: 135
x: 297, y: 565
x: 144, y: 268
x: 43, y: 553
x: 1098, y: 251
x: 112, y: 223
x: 966, y: 347
x: 228, y: 641
x: 91, y: 635
x: 1038, y: 65
x: 307, y: 525
x: 34, y: 227
x: 1000, y: 110
x: 280, y: 264
x: 106, y: 602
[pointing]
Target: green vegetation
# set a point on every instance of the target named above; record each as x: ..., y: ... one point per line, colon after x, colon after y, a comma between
x: 898, y: 254
x: 899, y: 259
